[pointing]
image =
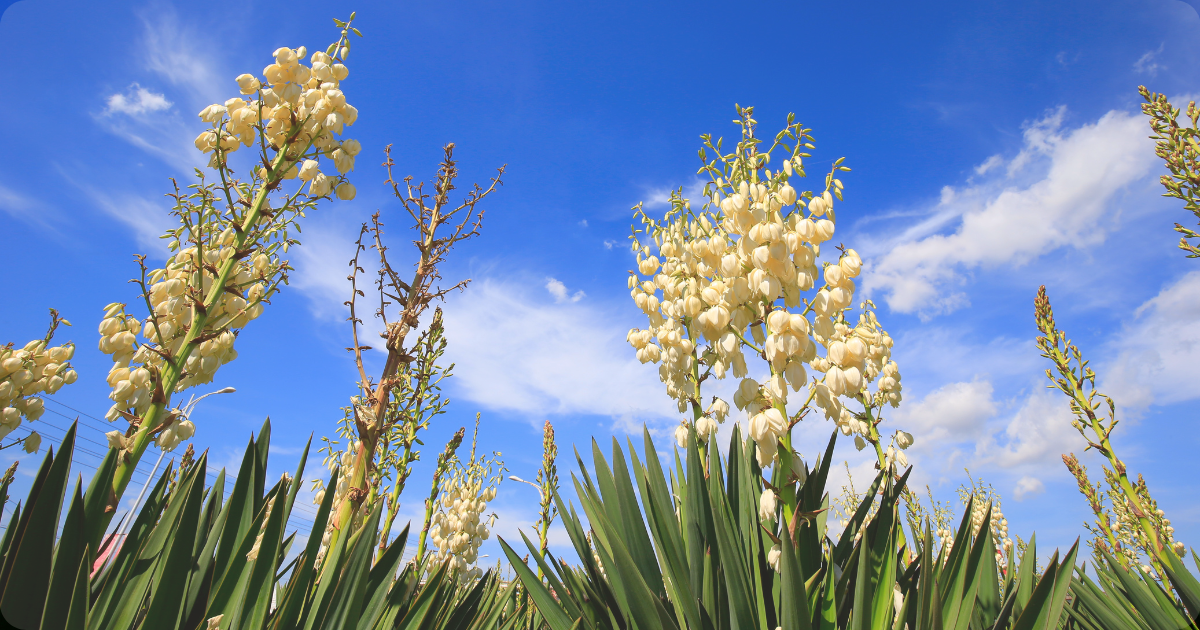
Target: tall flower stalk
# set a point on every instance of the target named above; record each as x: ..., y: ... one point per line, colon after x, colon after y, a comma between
x: 461, y: 493
x: 547, y: 487
x: 1134, y: 520
x: 226, y: 260
x: 440, y: 225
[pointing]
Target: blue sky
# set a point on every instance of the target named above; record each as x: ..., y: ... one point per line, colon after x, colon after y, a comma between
x: 996, y: 146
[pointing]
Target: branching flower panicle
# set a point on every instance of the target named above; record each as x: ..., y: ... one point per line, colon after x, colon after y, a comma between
x: 460, y: 524
x: 226, y: 255
x: 1179, y: 148
x: 745, y: 272
x: 1134, y: 519
x: 394, y: 407
x: 982, y: 496
x: 28, y: 372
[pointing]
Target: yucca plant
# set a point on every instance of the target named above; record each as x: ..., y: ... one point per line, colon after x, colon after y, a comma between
x: 690, y: 549
x: 193, y: 559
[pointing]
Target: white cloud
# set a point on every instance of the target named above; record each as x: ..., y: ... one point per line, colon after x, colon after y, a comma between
x: 1027, y: 486
x: 21, y: 206
x: 135, y: 101
x: 1146, y: 63
x: 964, y: 425
x: 322, y: 266
x: 608, y: 243
x: 514, y: 352
x: 692, y: 191
x: 1011, y: 219
x: 1035, y: 435
x: 583, y: 223
x: 148, y: 219
x: 170, y: 51
x: 174, y: 52
x: 559, y: 291
x: 956, y: 412
x: 1157, y: 352
x: 988, y: 164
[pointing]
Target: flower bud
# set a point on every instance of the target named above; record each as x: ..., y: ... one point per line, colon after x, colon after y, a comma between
x: 345, y: 191
x: 32, y: 443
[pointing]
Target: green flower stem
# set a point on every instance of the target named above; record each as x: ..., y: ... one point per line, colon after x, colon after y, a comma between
x: 1106, y: 449
x: 173, y: 371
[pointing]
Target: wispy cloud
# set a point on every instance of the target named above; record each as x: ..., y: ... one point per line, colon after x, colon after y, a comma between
x: 1146, y: 64
x: 149, y: 120
x: 1156, y: 353
x: 1058, y: 191
x: 560, y: 293
x: 658, y: 197
x: 22, y: 207
x: 148, y: 219
x: 321, y: 264
x: 1028, y: 486
x: 516, y: 352
x: 174, y: 52
x: 135, y: 101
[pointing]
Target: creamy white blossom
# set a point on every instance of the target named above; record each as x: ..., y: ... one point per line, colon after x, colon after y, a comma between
x: 744, y: 276
x: 26, y: 375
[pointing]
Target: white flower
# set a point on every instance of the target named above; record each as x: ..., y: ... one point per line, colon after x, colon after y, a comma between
x: 116, y: 439
x: 766, y: 505
x: 773, y: 557
x: 681, y: 435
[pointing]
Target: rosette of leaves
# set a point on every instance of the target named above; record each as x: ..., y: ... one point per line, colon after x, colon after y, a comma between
x: 196, y: 559
x: 687, y: 549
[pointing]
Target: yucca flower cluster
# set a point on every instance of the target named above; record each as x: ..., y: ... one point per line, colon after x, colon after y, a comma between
x: 460, y: 525
x: 138, y: 360
x: 746, y: 271
x: 226, y: 255
x: 251, y: 283
x: 37, y: 368
x: 308, y: 97
x: 333, y: 459
x: 981, y: 497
